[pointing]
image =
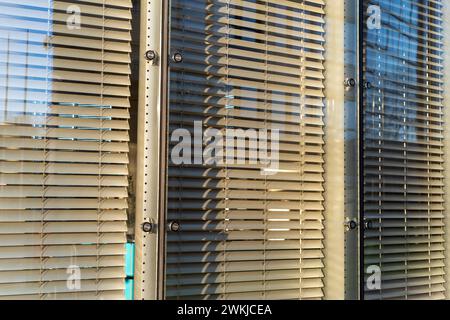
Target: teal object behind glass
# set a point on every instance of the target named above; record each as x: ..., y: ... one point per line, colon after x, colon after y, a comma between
x: 129, y: 289
x: 129, y: 270
x: 129, y: 263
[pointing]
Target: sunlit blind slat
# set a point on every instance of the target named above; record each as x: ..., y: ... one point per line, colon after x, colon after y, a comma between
x: 249, y: 65
x: 64, y: 89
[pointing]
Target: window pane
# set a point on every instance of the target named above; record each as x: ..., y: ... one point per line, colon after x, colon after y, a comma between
x: 64, y: 89
x: 404, y: 150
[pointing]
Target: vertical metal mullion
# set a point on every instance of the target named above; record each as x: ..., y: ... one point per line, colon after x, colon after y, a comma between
x: 360, y: 108
x: 163, y: 159
x: 351, y: 153
x: 334, y: 157
x: 152, y: 152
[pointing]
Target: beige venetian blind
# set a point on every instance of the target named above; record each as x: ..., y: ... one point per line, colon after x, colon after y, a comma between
x: 64, y: 87
x: 248, y: 65
x: 404, y: 151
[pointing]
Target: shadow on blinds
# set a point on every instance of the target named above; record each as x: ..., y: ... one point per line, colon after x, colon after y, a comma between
x: 251, y: 78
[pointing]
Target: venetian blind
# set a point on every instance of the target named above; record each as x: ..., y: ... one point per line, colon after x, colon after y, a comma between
x: 64, y: 88
x: 403, y: 150
x: 245, y: 234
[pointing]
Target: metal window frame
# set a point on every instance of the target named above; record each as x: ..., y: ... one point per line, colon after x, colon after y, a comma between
x: 360, y: 25
x: 152, y: 152
x: 334, y: 176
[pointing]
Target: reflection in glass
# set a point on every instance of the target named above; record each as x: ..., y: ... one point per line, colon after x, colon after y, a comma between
x: 64, y: 77
x: 403, y: 151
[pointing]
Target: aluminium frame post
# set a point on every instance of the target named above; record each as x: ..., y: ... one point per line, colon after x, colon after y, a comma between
x: 361, y: 23
x: 151, y: 148
x: 164, y: 147
x: 342, y: 244
x: 334, y: 175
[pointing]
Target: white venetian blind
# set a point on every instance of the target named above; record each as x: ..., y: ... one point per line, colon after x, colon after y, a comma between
x: 64, y: 91
x: 404, y: 151
x: 247, y: 235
